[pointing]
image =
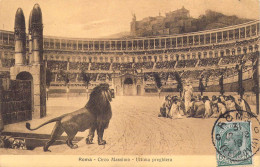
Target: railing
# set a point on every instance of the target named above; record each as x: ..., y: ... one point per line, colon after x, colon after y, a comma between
x: 202, y: 38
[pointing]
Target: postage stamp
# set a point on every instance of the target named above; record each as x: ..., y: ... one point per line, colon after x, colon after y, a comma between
x: 236, y: 138
x: 234, y: 144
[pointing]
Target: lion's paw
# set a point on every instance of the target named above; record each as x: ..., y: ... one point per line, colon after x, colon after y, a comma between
x: 89, y: 141
x: 46, y: 149
x: 102, y: 142
x: 74, y: 146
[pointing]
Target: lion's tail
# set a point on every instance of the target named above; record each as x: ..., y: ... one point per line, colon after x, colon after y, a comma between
x: 28, y: 125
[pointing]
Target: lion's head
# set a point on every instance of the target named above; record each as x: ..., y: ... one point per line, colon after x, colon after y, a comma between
x: 100, y: 98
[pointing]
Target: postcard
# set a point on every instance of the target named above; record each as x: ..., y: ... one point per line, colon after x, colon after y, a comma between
x: 129, y: 83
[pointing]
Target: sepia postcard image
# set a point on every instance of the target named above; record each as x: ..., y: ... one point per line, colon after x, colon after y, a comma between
x: 169, y: 83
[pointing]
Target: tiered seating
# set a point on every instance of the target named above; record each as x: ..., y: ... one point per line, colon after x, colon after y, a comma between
x: 230, y: 72
x: 191, y: 63
x: 72, y: 77
x: 186, y: 63
x: 57, y: 65
x: 100, y: 66
x: 93, y: 76
x: 193, y: 75
x: 163, y: 75
x: 165, y: 64
x: 78, y: 66
x: 251, y: 56
x: 231, y: 59
x: 126, y: 65
x: 116, y: 66
x: 209, y: 62
x: 144, y: 65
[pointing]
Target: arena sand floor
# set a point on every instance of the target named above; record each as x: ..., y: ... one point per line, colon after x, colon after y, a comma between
x: 134, y: 129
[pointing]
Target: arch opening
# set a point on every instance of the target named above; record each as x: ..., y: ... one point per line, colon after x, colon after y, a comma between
x: 128, y: 81
x: 24, y: 76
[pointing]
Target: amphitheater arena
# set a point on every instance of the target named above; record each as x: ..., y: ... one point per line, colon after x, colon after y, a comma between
x: 128, y: 64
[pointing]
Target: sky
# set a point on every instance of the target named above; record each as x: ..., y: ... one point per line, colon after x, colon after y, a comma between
x: 101, y: 18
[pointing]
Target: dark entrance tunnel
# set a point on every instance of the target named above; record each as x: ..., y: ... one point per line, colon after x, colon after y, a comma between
x: 128, y: 81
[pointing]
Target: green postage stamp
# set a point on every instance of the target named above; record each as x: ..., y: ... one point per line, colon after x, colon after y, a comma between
x: 233, y: 143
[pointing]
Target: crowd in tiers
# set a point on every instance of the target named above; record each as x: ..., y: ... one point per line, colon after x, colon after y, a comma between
x: 209, y: 61
x: 116, y: 66
x: 104, y: 77
x: 126, y: 65
x: 7, y: 62
x: 72, y: 77
x: 165, y: 64
x: 251, y: 56
x: 100, y: 66
x: 186, y: 63
x: 230, y: 71
x: 231, y: 59
x: 120, y: 66
x: 57, y: 65
x: 214, y: 73
x: 78, y: 66
x: 191, y: 74
x: 165, y: 76
x: 144, y: 65
x: 93, y: 76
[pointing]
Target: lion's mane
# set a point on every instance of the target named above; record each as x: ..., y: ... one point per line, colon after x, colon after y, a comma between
x: 99, y: 104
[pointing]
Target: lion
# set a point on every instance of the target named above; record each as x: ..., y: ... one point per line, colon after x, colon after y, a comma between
x: 95, y: 115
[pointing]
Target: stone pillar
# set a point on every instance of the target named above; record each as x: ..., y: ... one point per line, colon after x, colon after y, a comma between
x: 20, y: 38
x: 37, y: 35
x: 39, y: 76
x: 30, y: 40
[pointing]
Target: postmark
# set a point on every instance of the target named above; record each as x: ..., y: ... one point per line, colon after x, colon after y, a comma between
x: 236, y: 138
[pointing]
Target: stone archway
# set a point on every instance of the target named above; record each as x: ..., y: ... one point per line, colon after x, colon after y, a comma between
x: 24, y: 76
x: 128, y: 81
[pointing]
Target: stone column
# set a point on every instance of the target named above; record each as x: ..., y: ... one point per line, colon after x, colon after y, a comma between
x: 39, y: 76
x: 20, y: 38
x: 37, y: 35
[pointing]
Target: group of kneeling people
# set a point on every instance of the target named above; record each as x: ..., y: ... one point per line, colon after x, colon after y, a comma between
x: 202, y: 106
